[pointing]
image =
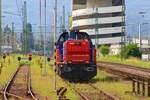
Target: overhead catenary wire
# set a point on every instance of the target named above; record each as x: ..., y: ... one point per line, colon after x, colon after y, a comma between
x: 19, y: 10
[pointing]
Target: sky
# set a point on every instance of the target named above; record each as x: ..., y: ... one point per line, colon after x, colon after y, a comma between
x: 133, y: 7
x: 15, y: 6
x: 133, y: 18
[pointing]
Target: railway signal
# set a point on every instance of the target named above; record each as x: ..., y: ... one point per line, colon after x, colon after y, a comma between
x: 0, y: 70
x: 48, y: 59
x: 4, y: 57
x: 19, y: 59
x: 41, y: 67
x: 30, y: 58
x: 1, y: 66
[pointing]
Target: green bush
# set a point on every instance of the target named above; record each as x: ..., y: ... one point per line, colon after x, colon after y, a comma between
x: 104, y: 50
x: 131, y: 50
x: 124, y: 52
x: 24, y: 63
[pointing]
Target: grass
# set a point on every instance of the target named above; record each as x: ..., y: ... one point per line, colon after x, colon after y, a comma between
x: 119, y: 87
x: 130, y: 61
x: 115, y: 86
x: 9, y: 67
x: 44, y: 85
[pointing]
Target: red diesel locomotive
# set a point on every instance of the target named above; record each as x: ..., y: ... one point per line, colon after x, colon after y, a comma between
x: 75, y: 56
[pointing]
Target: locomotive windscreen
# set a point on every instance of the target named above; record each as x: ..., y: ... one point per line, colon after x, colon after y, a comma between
x: 79, y: 36
x: 82, y: 36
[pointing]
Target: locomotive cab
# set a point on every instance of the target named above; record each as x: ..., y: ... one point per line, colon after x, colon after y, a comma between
x: 75, y: 56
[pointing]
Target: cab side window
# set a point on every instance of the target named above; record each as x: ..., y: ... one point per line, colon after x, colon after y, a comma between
x: 61, y: 39
x: 82, y: 36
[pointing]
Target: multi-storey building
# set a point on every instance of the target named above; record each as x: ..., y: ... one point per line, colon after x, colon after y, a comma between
x: 9, y: 41
x: 104, y: 20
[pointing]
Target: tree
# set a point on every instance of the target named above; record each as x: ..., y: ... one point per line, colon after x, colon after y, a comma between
x: 131, y: 50
x: 124, y: 52
x: 70, y: 22
x: 30, y: 39
x: 104, y: 50
x: 7, y: 30
x: 7, y: 36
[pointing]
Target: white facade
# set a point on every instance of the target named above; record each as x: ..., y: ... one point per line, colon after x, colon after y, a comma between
x: 115, y: 49
x: 101, y: 10
x: 101, y: 19
x: 146, y: 57
x: 144, y: 42
x: 91, y: 21
x: 104, y: 30
x: 6, y: 49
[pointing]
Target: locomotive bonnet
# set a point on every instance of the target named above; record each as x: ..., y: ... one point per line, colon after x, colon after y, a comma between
x: 75, y: 56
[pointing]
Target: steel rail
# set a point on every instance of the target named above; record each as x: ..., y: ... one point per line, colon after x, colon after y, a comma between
x: 84, y: 97
x: 125, y: 65
x: 9, y: 83
x: 110, y: 97
x: 117, y: 69
x: 6, y: 94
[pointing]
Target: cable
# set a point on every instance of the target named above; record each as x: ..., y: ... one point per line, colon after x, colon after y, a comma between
x: 17, y: 6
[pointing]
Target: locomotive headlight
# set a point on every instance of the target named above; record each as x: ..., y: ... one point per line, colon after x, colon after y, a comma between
x: 67, y: 69
x: 87, y: 62
x: 89, y: 69
x: 69, y: 62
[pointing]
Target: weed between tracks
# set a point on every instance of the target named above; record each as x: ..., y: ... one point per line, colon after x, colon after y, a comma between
x: 9, y: 67
x: 114, y: 85
x: 44, y: 85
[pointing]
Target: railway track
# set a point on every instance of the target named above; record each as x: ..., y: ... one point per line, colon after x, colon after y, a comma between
x: 127, y: 66
x: 88, y: 91
x: 19, y: 87
x: 125, y: 70
x: 1, y: 94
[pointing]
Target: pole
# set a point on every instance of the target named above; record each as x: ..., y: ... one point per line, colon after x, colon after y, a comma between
x: 148, y: 88
x: 55, y: 30
x: 123, y: 40
x: 142, y: 14
x: 55, y: 33
x: 0, y: 26
x: 96, y: 29
x: 41, y: 38
x: 138, y: 87
x: 45, y: 72
x: 68, y: 21
x: 124, y: 20
x: 64, y: 18
x: 133, y: 86
x: 13, y: 37
x: 140, y: 36
x: 22, y: 35
x: 61, y: 27
x: 143, y: 88
x: 24, y: 27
